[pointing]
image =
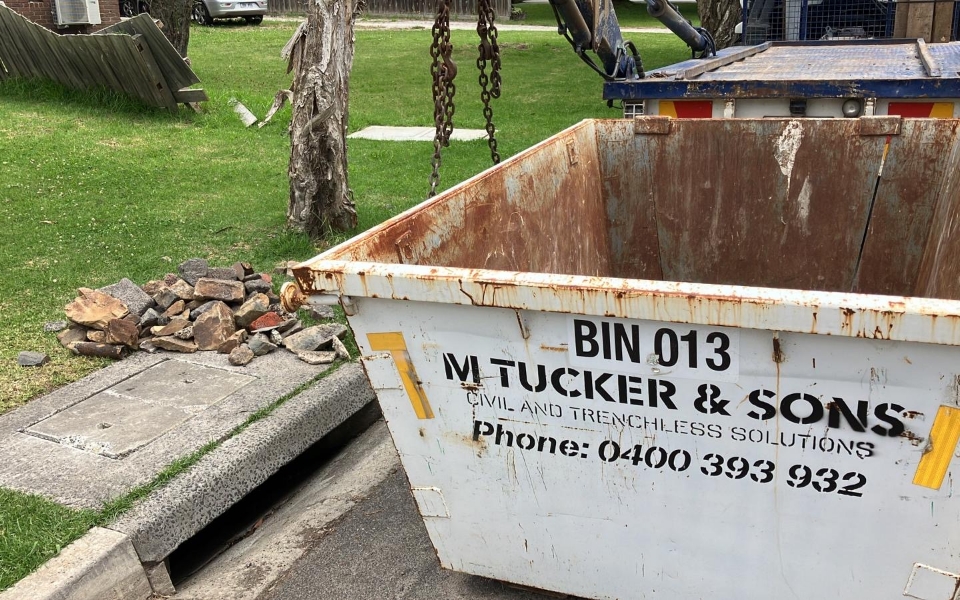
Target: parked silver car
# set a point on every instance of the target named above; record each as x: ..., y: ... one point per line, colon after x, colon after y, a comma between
x: 252, y: 11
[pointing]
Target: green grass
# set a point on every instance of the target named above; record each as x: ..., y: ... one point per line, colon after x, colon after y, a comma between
x: 629, y: 14
x: 94, y: 188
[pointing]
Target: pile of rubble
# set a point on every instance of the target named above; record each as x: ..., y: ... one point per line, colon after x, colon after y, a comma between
x: 231, y: 310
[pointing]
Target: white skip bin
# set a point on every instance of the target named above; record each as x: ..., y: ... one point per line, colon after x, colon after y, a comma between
x: 679, y: 359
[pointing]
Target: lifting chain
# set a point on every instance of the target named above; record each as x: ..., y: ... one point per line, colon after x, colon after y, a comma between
x: 444, y: 70
x: 489, y: 86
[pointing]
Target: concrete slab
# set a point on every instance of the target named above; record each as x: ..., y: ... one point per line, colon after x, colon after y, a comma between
x: 88, y: 477
x: 102, y: 565
x: 413, y: 134
x: 176, y: 512
x: 134, y: 412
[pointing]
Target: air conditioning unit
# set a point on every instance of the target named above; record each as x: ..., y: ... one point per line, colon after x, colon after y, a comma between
x: 77, y: 12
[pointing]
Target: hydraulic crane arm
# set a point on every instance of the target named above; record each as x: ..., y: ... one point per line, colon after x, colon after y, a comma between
x: 593, y: 25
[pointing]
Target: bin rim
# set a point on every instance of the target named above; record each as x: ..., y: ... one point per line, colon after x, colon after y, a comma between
x: 898, y: 318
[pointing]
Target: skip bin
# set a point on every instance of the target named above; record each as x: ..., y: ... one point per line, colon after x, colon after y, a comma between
x: 679, y: 359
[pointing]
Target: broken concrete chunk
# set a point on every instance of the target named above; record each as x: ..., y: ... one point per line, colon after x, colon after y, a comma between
x: 95, y: 309
x: 251, y: 310
x: 219, y: 289
x: 130, y: 294
x: 267, y: 321
x: 275, y: 338
x: 340, y: 349
x: 312, y: 338
x: 32, y: 359
x: 148, y: 346
x: 240, y: 356
x: 193, y: 269
x: 317, y: 358
x: 213, y: 327
x: 185, y: 334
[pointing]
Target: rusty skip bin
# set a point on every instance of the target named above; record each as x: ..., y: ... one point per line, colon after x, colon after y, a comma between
x: 679, y: 359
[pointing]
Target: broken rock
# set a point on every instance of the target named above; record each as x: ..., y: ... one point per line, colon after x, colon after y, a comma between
x: 170, y: 328
x: 214, y: 327
x: 174, y: 309
x: 323, y: 357
x: 270, y: 320
x: 131, y: 295
x: 32, y: 359
x: 339, y: 349
x: 193, y: 269
x: 100, y: 350
x: 219, y: 289
x: 315, y: 337
x: 260, y: 345
x: 121, y: 331
x: 54, y: 326
x: 174, y: 345
x: 76, y: 333
x: 183, y: 290
x: 224, y: 273
x: 164, y: 297
x: 239, y: 336
x: 97, y: 336
x: 94, y: 309
x: 257, y: 285
x: 150, y: 318
x: 251, y: 310
x: 185, y: 334
x: 240, y: 356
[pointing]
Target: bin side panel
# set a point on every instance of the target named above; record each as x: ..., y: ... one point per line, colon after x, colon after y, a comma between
x: 631, y: 215
x: 900, y: 222
x: 761, y: 203
x: 940, y: 269
x: 539, y: 212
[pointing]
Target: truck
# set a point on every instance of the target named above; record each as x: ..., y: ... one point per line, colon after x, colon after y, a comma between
x: 839, y: 78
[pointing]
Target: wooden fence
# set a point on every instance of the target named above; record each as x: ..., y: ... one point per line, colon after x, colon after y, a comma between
x: 412, y: 8
x: 132, y: 57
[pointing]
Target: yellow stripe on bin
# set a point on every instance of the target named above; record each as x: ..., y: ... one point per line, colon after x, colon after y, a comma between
x: 941, y: 445
x: 942, y: 110
x: 394, y: 343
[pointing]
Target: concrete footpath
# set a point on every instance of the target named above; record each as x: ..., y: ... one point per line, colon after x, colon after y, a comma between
x: 99, y: 438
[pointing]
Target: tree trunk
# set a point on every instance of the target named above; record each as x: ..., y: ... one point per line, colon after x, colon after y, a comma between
x: 174, y: 16
x: 720, y: 17
x: 320, y: 199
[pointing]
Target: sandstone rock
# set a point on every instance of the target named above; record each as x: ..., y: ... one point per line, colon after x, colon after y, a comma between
x: 164, y: 297
x: 148, y: 346
x: 150, y: 318
x: 313, y: 338
x: 54, y: 326
x: 317, y: 358
x: 170, y: 279
x: 321, y: 313
x: 197, y: 303
x: 175, y: 309
x: 185, y: 334
x: 219, y: 289
x: 242, y: 270
x: 193, y: 269
x: 213, y: 327
x: 257, y: 285
x: 153, y: 286
x: 97, y: 336
x: 94, y: 309
x: 222, y: 273
x: 174, y: 345
x: 32, y: 359
x: 170, y: 328
x: 76, y: 333
x: 340, y: 349
x: 251, y: 310
x: 130, y: 294
x: 270, y: 320
x: 183, y: 290
x: 100, y: 350
x: 240, y: 356
x: 239, y: 336
x: 260, y: 345
x: 132, y: 318
x: 120, y: 331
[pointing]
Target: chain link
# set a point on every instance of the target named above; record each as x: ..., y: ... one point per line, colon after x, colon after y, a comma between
x: 443, y: 70
x: 489, y: 86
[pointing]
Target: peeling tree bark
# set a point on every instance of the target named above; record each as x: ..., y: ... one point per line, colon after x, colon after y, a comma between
x: 174, y: 17
x: 720, y: 17
x: 320, y: 198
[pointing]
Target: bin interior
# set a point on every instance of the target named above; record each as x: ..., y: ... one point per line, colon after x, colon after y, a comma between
x: 802, y: 204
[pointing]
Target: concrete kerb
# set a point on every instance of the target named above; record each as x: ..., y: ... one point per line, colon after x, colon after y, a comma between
x: 99, y: 564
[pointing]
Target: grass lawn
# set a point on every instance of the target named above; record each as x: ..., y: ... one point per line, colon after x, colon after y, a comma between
x: 94, y: 188
x: 630, y: 14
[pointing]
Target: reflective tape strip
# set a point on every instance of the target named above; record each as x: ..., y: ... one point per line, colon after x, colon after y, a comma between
x: 941, y: 445
x: 394, y: 343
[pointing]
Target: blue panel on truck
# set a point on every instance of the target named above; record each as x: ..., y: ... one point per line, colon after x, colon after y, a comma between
x: 864, y: 68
